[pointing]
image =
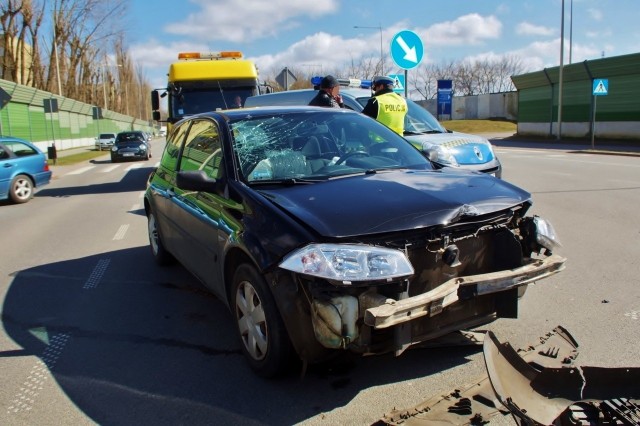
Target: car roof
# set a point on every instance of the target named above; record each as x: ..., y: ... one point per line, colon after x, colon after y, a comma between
x: 303, y: 96
x: 265, y: 110
x: 14, y: 139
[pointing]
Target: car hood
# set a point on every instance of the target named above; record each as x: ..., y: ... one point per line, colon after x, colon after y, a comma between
x: 391, y: 201
x: 467, y: 149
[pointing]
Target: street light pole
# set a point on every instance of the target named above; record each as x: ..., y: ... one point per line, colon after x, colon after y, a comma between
x: 379, y: 27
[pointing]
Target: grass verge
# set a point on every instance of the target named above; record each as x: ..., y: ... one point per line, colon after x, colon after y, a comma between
x: 68, y: 160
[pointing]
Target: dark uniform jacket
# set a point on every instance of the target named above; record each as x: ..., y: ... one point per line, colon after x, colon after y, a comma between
x: 323, y: 99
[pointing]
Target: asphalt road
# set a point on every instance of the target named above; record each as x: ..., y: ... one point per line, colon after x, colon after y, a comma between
x: 94, y: 333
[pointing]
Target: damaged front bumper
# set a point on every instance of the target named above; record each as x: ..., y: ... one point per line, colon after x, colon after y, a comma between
x: 337, y: 320
x: 393, y: 312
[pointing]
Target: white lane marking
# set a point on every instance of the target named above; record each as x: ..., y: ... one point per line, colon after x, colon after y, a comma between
x: 110, y: 168
x: 96, y: 274
x: 29, y: 390
x: 633, y: 315
x: 121, y: 231
x: 133, y: 167
x: 81, y: 170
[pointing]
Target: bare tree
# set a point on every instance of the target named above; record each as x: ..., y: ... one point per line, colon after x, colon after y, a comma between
x: 9, y: 17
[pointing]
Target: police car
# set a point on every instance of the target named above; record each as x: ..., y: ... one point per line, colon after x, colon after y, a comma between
x: 444, y: 147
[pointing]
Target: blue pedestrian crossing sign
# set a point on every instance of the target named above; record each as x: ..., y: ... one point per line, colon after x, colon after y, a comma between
x: 406, y: 49
x: 600, y: 87
x: 398, y: 82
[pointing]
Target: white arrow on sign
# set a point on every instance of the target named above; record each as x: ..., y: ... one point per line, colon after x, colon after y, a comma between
x: 409, y: 53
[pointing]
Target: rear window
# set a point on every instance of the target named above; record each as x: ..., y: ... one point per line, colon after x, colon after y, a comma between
x: 20, y: 149
x: 107, y: 135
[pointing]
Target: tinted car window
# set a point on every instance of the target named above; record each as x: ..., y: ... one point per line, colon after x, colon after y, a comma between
x: 174, y: 141
x: 129, y: 137
x: 202, y: 150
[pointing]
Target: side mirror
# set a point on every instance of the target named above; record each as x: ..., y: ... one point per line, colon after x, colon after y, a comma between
x: 431, y: 154
x: 196, y: 180
x: 155, y: 100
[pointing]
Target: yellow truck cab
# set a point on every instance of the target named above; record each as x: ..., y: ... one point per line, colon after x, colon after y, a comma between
x: 200, y: 82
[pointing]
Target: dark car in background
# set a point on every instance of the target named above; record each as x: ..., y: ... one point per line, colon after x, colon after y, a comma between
x: 131, y: 145
x: 23, y: 168
x: 324, y: 231
x: 447, y: 148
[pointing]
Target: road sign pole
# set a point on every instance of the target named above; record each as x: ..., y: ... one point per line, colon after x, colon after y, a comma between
x: 593, y: 123
x: 406, y: 90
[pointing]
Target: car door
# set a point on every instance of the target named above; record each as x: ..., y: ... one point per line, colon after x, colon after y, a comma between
x: 162, y: 190
x: 198, y: 214
x: 6, y: 172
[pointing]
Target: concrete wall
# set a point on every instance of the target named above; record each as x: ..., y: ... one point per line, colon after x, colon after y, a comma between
x: 489, y: 106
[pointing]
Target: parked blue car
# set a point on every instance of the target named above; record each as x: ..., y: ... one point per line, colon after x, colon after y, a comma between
x: 23, y: 168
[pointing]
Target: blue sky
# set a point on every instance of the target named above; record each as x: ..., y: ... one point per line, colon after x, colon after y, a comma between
x: 319, y: 35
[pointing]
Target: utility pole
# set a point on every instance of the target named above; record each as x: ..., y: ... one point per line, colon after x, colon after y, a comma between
x: 560, y: 74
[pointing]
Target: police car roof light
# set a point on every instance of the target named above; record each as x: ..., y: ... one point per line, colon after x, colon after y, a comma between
x: 345, y: 82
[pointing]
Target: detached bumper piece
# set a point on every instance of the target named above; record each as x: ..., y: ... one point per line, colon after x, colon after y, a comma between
x: 538, y: 386
x: 564, y: 396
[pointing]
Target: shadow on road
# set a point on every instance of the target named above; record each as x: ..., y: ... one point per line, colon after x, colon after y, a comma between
x: 133, y: 180
x: 132, y: 343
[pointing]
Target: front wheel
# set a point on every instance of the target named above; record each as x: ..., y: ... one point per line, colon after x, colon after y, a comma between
x: 265, y: 341
x: 160, y: 254
x: 21, y: 189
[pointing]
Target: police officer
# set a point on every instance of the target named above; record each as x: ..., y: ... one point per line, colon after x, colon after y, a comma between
x: 329, y: 94
x: 386, y: 106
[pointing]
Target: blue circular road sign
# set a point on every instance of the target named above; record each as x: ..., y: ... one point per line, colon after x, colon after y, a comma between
x: 406, y: 49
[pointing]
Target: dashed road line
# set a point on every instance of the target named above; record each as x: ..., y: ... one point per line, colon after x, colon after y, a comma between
x: 121, y: 232
x: 97, y: 274
x: 30, y: 389
x: 134, y: 166
x: 110, y: 168
x: 81, y: 170
x: 634, y: 315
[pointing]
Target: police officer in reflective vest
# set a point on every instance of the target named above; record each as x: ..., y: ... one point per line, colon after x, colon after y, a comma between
x: 386, y: 106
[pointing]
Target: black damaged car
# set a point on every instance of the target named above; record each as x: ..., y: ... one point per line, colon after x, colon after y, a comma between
x: 324, y: 231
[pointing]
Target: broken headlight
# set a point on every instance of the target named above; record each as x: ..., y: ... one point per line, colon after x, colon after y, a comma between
x: 545, y: 234
x: 348, y: 262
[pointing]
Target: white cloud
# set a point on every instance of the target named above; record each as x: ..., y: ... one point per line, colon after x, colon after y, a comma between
x: 241, y: 21
x: 317, y: 49
x: 595, y: 14
x: 157, y: 56
x: 525, y: 28
x: 471, y: 29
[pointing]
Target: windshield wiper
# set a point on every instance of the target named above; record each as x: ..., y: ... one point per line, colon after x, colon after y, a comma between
x: 426, y: 132
x: 287, y: 182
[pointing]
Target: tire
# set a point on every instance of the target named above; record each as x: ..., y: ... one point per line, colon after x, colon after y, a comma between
x: 159, y: 253
x: 265, y: 342
x: 21, y: 189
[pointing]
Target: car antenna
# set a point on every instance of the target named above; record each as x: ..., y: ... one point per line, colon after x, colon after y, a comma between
x: 222, y: 93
